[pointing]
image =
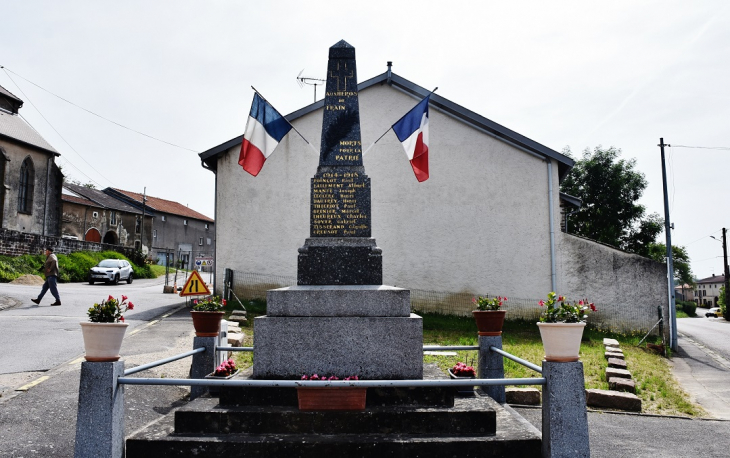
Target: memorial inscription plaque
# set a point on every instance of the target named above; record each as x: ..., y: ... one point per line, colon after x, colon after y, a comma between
x: 339, y: 250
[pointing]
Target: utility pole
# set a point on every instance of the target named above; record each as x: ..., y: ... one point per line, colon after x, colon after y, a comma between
x: 141, y: 235
x: 727, y: 270
x: 670, y: 261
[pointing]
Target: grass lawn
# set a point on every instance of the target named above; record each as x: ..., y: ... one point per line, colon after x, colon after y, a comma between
x: 655, y: 385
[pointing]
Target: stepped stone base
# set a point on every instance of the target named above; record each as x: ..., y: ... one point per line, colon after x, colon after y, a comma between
x: 476, y: 426
x: 332, y: 300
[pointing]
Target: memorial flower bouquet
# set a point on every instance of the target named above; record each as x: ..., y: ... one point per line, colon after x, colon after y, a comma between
x: 110, y: 310
x: 314, y: 377
x: 226, y: 369
x: 462, y: 370
x: 559, y: 310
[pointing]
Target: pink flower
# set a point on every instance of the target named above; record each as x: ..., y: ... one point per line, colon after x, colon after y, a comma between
x: 580, y: 302
x: 124, y: 298
x: 131, y: 307
x: 110, y: 298
x: 542, y: 303
x: 121, y: 318
x: 225, y: 302
x: 304, y: 377
x: 593, y: 307
x: 561, y: 298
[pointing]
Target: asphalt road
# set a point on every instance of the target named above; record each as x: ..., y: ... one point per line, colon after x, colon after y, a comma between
x: 43, y: 350
x: 37, y: 338
x: 713, y: 333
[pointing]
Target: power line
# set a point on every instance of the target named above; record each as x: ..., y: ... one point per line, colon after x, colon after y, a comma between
x: 59, y: 134
x: 721, y: 148
x: 95, y: 114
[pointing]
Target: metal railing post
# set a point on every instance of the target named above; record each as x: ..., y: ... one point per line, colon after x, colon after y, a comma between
x: 564, y: 415
x: 100, y: 415
x: 491, y: 365
x: 203, y: 363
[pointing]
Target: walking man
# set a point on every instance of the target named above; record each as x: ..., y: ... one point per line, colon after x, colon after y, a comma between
x: 50, y: 270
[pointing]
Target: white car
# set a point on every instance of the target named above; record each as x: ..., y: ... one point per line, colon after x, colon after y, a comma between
x: 111, y: 271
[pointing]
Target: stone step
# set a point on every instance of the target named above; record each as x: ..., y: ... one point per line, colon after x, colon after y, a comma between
x: 413, y: 396
x: 514, y: 437
x: 613, y: 400
x: 470, y: 416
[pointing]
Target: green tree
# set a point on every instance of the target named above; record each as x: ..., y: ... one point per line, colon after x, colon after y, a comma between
x: 721, y: 303
x: 680, y: 260
x: 609, y: 188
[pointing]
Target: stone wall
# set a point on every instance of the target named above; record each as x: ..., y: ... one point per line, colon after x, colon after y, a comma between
x: 14, y: 243
x: 626, y: 288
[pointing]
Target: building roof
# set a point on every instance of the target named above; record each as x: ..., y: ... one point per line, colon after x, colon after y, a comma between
x: 102, y: 199
x: 14, y: 127
x: 439, y: 103
x: 157, y: 204
x: 10, y: 95
x: 78, y: 200
x: 713, y: 279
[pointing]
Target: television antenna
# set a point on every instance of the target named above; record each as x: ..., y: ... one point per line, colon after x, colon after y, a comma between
x: 302, y: 80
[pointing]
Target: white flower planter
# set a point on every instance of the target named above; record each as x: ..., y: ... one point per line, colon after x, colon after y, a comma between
x: 561, y: 341
x: 102, y: 341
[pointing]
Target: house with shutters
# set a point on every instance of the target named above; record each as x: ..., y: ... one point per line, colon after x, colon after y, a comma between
x: 30, y: 180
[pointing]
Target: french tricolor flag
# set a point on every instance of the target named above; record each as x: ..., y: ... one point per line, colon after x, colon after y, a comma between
x: 412, y: 131
x: 264, y: 130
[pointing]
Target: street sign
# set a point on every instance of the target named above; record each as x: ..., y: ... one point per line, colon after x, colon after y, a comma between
x: 203, y: 262
x: 195, y: 286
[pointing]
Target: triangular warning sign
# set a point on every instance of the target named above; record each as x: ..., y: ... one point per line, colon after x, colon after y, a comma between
x: 195, y: 286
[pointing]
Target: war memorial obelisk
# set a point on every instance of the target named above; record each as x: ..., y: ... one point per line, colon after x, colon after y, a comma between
x: 339, y: 319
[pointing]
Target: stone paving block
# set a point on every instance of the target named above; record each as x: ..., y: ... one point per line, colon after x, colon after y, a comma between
x: 613, y: 354
x: 616, y: 363
x: 235, y: 339
x: 613, y: 400
x: 622, y: 384
x: 620, y: 373
x: 523, y: 396
x: 610, y: 342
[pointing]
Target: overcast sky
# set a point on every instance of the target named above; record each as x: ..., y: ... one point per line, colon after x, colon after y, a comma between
x: 571, y: 74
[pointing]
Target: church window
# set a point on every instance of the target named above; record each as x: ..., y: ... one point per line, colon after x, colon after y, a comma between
x: 25, y: 188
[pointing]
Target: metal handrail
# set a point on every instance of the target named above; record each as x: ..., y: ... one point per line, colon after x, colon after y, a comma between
x: 331, y: 383
x: 452, y: 347
x: 233, y: 348
x: 516, y: 359
x: 134, y: 370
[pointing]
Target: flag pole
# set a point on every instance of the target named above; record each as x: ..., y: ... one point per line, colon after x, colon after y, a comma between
x: 287, y: 121
x: 379, y: 138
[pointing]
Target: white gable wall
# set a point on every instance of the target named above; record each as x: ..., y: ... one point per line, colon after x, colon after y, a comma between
x: 479, y: 224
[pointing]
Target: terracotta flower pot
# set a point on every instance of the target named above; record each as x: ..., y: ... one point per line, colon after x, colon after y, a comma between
x: 207, y: 324
x: 561, y: 341
x: 331, y: 398
x: 489, y: 322
x: 102, y: 341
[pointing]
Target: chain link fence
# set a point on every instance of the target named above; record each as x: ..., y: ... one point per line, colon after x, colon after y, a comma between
x: 624, y: 318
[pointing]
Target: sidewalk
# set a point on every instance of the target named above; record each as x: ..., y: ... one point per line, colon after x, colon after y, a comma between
x: 705, y: 375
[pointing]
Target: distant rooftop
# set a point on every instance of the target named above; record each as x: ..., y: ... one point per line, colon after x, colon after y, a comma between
x: 161, y: 205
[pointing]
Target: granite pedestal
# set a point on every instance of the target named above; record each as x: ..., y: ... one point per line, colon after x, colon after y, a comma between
x: 366, y: 331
